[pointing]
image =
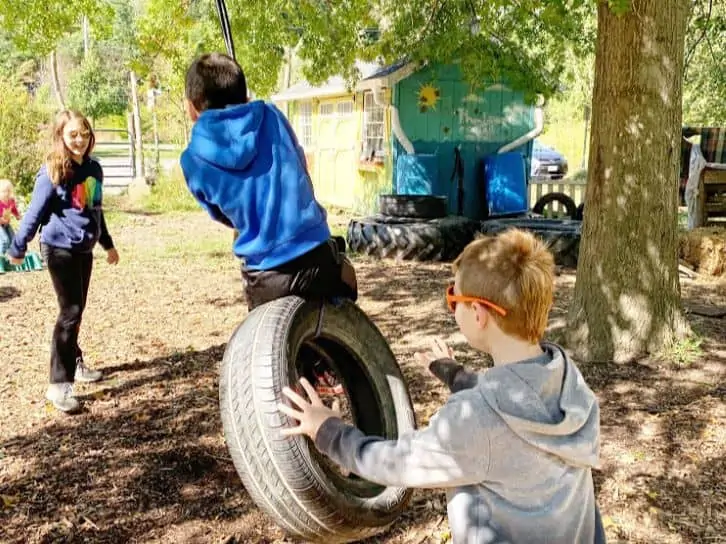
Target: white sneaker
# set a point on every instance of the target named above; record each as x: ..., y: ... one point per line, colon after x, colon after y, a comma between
x: 85, y: 374
x: 61, y: 395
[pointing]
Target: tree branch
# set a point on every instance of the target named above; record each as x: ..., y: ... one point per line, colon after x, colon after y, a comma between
x: 692, y: 49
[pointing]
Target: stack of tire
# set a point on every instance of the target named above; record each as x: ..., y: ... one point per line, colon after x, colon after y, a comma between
x: 411, y: 227
x: 572, y: 210
x: 562, y: 236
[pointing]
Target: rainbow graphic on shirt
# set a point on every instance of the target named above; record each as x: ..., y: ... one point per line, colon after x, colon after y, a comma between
x: 87, y: 194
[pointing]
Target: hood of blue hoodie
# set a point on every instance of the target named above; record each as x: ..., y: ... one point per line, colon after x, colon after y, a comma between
x: 243, y: 164
x: 228, y: 138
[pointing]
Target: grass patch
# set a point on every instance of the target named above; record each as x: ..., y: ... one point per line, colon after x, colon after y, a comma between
x: 684, y: 352
x: 194, y: 249
x: 338, y: 219
x: 567, y: 137
x: 119, y: 152
x: 114, y: 215
x: 338, y: 230
x: 170, y: 194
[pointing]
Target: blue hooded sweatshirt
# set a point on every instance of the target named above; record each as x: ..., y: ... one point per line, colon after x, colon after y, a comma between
x: 246, y: 168
x: 70, y: 215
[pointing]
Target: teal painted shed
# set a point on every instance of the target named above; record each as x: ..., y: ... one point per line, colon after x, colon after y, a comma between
x: 438, y: 113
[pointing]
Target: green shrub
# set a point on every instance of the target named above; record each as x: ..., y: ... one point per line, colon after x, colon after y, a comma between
x: 23, y: 142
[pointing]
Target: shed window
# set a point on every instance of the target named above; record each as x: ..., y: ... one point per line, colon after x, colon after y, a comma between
x: 305, y: 123
x: 345, y: 109
x: 373, y: 129
x: 327, y: 109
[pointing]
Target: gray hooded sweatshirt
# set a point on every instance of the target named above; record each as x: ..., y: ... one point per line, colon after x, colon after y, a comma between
x: 514, y: 452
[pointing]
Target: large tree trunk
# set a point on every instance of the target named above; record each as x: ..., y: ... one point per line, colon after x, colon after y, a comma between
x: 627, y: 293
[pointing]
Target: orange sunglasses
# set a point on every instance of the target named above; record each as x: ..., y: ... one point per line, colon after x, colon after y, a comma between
x: 452, y: 299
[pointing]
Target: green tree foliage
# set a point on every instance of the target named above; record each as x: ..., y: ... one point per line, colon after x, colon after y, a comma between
x: 21, y: 135
x: 704, y: 87
x: 97, y: 91
x: 170, y: 35
x: 523, y: 43
x: 39, y: 26
x: 15, y: 63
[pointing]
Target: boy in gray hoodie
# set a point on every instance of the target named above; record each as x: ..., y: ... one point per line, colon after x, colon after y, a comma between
x: 514, y: 446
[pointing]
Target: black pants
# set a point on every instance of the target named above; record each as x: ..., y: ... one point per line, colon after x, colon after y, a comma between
x: 71, y: 275
x: 317, y: 274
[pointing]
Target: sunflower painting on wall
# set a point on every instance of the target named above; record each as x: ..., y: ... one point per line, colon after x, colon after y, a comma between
x: 428, y: 97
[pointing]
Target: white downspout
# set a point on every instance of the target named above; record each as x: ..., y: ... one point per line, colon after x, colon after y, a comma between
x: 532, y: 134
x: 396, y: 127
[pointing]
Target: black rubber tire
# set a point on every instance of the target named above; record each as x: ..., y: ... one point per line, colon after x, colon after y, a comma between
x: 561, y: 198
x: 287, y: 477
x: 435, y: 240
x: 580, y: 212
x: 393, y: 219
x: 340, y: 243
x: 418, y: 206
x: 562, y: 236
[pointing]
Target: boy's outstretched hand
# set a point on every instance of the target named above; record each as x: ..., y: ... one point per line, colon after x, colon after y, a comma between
x: 439, y: 350
x: 311, y: 415
x: 442, y: 364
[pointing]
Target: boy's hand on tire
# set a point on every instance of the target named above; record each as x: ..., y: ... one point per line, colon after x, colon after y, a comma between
x: 311, y: 414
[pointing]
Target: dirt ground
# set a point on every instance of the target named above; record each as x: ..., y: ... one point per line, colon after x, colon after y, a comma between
x: 146, y: 460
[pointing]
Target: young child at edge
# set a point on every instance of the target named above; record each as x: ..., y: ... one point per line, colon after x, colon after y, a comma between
x: 514, y: 446
x: 67, y: 206
x: 8, y: 209
x: 245, y: 167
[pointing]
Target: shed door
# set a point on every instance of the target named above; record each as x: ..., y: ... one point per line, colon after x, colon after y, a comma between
x: 335, y: 174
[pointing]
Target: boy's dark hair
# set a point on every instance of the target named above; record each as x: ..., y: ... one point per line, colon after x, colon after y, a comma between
x: 215, y: 81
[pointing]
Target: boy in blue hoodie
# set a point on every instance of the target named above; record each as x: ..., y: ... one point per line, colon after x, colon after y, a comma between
x: 513, y: 446
x: 245, y: 167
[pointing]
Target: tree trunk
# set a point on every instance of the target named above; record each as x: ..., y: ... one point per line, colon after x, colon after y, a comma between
x: 86, y: 40
x: 55, y: 81
x: 132, y: 143
x: 136, y: 110
x: 627, y: 293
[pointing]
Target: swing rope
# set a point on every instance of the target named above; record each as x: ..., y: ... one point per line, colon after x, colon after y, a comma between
x: 226, y: 29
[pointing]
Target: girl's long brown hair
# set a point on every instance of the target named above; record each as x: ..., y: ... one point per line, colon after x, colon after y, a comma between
x: 59, y: 161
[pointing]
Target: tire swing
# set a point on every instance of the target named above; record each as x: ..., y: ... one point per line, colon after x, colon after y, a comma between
x: 288, y: 478
x: 276, y: 344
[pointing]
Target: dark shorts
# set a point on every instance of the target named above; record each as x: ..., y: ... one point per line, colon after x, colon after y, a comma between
x: 323, y: 272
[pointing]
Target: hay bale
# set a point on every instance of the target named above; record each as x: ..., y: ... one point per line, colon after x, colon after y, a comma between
x: 705, y: 250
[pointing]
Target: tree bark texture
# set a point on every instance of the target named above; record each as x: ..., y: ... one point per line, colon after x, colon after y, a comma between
x: 627, y: 294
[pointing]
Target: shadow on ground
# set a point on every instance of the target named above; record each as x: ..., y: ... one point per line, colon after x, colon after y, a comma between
x: 147, y: 462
